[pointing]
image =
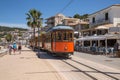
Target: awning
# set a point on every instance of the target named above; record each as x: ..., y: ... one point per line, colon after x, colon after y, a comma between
x: 99, y: 37
x: 112, y: 36
x: 114, y: 29
x: 101, y: 27
x: 92, y: 38
x: 106, y: 26
x: 76, y: 32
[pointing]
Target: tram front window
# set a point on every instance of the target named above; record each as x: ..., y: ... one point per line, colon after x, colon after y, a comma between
x: 59, y: 36
x: 65, y: 37
x: 70, y: 36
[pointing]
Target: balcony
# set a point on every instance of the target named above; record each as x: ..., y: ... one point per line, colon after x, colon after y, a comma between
x: 85, y: 26
x: 99, y: 22
x: 50, y: 21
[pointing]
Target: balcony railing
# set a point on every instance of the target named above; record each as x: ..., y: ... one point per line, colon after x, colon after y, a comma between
x: 50, y: 21
x: 99, y: 22
x: 84, y: 27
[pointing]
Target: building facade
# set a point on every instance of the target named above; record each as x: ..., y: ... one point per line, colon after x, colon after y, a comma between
x: 101, y: 21
x: 55, y: 20
x: 75, y: 23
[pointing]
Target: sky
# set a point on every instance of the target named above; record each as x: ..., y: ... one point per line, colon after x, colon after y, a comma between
x: 12, y: 12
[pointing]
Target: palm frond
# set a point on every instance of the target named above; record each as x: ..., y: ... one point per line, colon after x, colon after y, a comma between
x: 33, y: 17
x: 29, y: 23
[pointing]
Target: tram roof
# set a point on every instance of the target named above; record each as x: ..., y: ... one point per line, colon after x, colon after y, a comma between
x: 61, y: 28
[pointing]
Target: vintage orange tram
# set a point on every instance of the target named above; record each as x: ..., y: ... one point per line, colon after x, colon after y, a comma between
x: 59, y: 40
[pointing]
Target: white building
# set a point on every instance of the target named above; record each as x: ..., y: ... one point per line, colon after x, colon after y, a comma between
x: 102, y: 20
x: 109, y: 15
x: 75, y: 23
x: 55, y: 20
x: 100, y: 24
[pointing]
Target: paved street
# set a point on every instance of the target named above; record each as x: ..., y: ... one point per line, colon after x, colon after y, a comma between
x: 80, y: 68
x: 107, y: 60
x: 27, y: 66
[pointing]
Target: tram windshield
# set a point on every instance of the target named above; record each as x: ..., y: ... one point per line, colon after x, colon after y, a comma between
x: 64, y: 36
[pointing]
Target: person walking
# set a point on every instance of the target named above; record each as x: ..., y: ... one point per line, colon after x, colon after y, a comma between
x: 10, y: 47
x: 116, y: 48
x: 14, y: 47
x: 19, y: 47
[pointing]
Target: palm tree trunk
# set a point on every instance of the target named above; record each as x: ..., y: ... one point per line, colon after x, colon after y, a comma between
x: 38, y: 38
x: 33, y: 38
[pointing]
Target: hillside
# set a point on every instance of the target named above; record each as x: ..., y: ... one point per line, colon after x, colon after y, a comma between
x: 4, y: 28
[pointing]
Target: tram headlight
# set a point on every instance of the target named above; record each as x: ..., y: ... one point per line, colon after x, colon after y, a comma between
x: 65, y: 48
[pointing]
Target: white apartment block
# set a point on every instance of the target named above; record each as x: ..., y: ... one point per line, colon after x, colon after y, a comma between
x: 71, y: 21
x: 55, y: 20
x: 101, y: 21
x: 61, y: 19
x: 109, y: 15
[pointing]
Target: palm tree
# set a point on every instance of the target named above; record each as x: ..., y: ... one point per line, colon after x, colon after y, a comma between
x: 39, y: 20
x: 33, y: 18
x: 8, y: 37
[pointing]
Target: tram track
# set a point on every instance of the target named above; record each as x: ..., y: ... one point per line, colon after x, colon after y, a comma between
x: 86, y: 73
x: 85, y: 69
x: 95, y: 69
x: 80, y: 70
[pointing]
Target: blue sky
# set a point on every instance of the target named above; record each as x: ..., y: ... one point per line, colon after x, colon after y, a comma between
x: 13, y: 11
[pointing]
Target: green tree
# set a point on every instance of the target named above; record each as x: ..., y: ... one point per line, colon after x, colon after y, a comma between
x: 85, y: 16
x: 8, y: 37
x: 34, y: 20
x: 19, y: 34
x: 76, y: 16
x: 0, y: 40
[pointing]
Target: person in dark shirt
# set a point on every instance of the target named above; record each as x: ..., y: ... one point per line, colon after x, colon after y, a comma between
x: 19, y: 47
x: 116, y: 46
x: 115, y: 49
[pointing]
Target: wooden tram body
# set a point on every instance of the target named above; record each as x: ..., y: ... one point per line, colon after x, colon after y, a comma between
x: 59, y: 40
x: 34, y: 42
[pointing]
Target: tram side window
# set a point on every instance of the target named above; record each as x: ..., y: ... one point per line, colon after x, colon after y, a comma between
x: 49, y: 39
x: 65, y: 36
x: 54, y: 37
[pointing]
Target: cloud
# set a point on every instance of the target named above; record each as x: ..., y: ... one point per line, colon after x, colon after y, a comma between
x: 14, y: 25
